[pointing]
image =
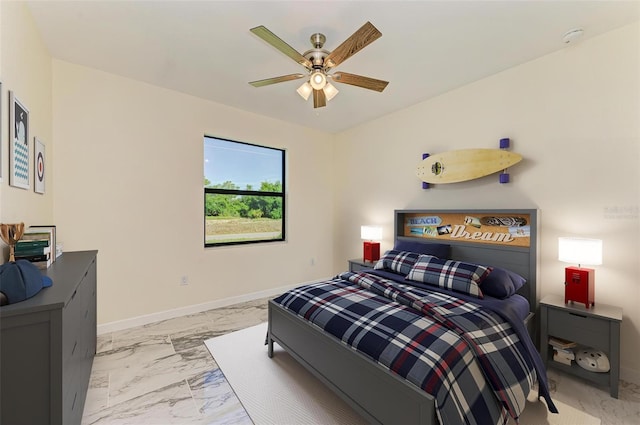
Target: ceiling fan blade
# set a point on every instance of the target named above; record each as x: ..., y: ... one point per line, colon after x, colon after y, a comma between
x: 359, y: 80
x: 274, y: 80
x: 319, y: 99
x: 279, y: 44
x: 358, y: 40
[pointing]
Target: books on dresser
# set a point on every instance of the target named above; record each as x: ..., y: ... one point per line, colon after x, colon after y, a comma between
x: 37, y: 245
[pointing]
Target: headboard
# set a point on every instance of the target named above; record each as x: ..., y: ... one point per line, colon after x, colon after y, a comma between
x: 500, y: 238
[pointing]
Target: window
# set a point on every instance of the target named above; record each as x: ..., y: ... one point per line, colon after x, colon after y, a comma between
x: 243, y: 193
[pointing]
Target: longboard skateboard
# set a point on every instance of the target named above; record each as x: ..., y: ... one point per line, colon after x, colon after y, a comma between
x: 465, y: 164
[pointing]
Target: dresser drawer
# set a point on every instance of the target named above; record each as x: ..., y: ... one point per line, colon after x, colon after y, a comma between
x: 71, y: 331
x: 77, y: 328
x: 579, y: 328
x: 73, y: 404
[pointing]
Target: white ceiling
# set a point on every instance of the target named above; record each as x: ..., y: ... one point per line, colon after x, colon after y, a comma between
x: 205, y: 48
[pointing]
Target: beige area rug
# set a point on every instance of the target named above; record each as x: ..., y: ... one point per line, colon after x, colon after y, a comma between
x: 280, y: 391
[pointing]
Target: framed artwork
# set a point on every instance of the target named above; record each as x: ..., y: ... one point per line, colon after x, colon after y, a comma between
x: 18, y: 143
x: 38, y: 165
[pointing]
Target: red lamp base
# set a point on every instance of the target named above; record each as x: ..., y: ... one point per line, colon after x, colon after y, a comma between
x: 579, y: 285
x: 371, y: 251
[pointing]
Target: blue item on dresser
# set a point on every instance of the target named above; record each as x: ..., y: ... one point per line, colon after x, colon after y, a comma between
x: 20, y: 280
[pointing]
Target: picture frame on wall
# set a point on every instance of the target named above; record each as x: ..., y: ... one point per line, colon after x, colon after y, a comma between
x: 18, y: 143
x: 38, y: 165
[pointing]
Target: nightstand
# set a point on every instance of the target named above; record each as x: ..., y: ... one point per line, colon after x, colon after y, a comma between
x: 359, y: 264
x: 597, y: 327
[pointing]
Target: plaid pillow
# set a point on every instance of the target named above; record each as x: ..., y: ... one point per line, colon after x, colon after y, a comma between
x: 398, y: 261
x: 448, y: 274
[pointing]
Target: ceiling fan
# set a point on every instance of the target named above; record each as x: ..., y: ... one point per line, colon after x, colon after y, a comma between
x: 318, y: 62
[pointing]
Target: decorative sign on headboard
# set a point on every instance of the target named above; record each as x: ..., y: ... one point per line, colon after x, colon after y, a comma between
x: 497, y: 229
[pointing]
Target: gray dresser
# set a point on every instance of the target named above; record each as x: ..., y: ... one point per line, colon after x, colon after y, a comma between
x: 47, y: 345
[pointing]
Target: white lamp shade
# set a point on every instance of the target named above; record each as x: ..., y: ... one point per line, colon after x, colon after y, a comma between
x: 330, y: 91
x: 318, y: 80
x: 580, y: 251
x: 305, y: 90
x: 371, y: 233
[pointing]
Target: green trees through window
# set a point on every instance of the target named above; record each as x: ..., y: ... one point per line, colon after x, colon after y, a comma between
x: 243, y: 192
x: 244, y: 206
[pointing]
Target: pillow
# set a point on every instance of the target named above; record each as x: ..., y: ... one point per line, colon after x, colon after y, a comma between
x: 449, y: 274
x: 502, y: 283
x: 397, y: 261
x: 439, y: 250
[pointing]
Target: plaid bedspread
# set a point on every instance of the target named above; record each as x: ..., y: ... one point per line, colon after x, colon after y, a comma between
x: 467, y: 357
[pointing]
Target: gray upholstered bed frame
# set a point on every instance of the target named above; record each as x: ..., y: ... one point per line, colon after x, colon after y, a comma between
x: 378, y: 395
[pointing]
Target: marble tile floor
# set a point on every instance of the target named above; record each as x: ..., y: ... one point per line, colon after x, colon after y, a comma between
x: 162, y: 373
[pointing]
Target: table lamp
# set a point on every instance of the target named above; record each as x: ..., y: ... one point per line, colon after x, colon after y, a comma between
x: 579, y: 282
x: 371, y: 249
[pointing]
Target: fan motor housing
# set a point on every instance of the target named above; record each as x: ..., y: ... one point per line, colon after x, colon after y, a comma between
x: 316, y: 57
x: 317, y: 54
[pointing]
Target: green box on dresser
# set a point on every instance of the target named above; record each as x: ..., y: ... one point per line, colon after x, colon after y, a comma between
x: 47, y: 345
x: 597, y: 327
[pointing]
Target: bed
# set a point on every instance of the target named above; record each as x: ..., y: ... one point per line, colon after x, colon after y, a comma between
x: 322, y: 324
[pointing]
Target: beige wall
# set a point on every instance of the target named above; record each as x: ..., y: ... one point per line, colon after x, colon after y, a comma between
x: 25, y: 69
x: 573, y: 115
x: 130, y: 185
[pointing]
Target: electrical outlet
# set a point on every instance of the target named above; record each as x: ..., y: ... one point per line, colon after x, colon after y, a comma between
x: 184, y: 280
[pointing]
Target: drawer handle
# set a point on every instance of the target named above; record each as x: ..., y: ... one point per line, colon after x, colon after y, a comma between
x: 579, y: 315
x: 74, y: 348
x: 73, y: 405
x: 86, y: 313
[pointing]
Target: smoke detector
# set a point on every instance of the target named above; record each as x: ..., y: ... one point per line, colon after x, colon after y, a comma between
x: 572, y: 36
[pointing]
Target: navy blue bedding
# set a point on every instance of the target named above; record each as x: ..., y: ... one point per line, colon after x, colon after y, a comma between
x: 396, y: 322
x: 513, y: 309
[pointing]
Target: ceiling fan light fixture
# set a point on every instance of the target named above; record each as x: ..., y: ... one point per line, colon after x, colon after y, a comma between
x: 305, y: 90
x: 318, y: 80
x: 330, y: 91
x: 318, y: 63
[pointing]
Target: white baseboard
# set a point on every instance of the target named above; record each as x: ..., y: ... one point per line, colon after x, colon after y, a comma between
x: 191, y: 309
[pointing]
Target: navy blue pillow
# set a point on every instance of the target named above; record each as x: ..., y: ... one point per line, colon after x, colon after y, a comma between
x: 448, y: 274
x: 397, y: 261
x: 439, y: 250
x: 502, y: 283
